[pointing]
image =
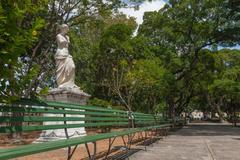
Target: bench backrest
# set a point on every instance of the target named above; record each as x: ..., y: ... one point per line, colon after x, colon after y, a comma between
x: 30, y: 116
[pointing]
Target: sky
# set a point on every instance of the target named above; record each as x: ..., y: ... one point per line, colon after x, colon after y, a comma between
x: 154, y: 5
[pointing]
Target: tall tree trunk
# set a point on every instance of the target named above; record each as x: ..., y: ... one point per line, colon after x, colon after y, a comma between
x: 220, y: 113
x: 234, y: 118
x: 172, y: 111
x: 16, y: 136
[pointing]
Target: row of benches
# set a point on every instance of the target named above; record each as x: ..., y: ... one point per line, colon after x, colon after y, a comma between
x: 31, y: 115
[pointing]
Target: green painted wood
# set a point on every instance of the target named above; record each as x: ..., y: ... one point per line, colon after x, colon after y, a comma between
x: 82, y: 107
x: 87, y: 107
x: 145, y: 118
x: 101, y: 117
x: 56, y: 111
x: 43, y: 103
x: 37, y: 148
x: 46, y: 119
x: 48, y: 146
x: 70, y: 106
x: 61, y: 105
x: 11, y: 129
x: 95, y: 137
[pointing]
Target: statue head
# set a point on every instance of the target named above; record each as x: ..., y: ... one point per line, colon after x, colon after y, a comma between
x: 64, y: 28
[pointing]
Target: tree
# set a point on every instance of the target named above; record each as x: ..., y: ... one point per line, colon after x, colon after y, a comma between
x: 147, y: 83
x: 17, y: 36
x: 180, y: 31
x: 115, y: 50
x: 28, y: 31
x: 225, y: 88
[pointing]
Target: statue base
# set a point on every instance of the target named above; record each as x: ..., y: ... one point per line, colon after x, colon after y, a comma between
x: 68, y: 95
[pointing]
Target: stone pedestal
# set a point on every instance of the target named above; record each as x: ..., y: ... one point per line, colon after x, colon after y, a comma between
x: 74, y: 96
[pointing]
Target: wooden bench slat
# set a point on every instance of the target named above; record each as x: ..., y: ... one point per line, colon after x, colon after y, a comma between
x: 56, y: 111
x: 72, y: 106
x: 68, y: 105
x: 10, y: 129
x: 46, y: 119
x: 80, y: 107
x: 48, y: 146
x: 87, y: 107
x: 33, y: 113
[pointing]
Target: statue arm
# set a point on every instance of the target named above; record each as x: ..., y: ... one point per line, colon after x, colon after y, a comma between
x: 68, y: 39
x: 61, y: 39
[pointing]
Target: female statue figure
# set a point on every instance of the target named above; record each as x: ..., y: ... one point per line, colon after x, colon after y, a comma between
x: 64, y: 61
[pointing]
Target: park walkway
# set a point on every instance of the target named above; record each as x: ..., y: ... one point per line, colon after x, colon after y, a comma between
x: 198, y: 141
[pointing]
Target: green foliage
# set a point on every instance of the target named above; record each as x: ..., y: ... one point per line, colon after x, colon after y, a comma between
x: 146, y: 80
x: 172, y: 65
x: 104, y: 103
x: 179, y: 34
x: 19, y: 27
x: 44, y: 91
x: 226, y: 75
x: 27, y: 40
x: 147, y: 75
x: 99, y: 102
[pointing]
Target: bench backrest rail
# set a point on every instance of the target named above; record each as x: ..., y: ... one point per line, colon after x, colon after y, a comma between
x: 26, y: 117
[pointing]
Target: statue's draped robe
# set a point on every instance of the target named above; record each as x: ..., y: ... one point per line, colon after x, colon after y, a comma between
x: 65, y: 73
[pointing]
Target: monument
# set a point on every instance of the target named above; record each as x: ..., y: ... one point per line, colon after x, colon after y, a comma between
x: 67, y: 90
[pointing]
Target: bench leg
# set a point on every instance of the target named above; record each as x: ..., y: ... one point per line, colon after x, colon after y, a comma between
x: 71, y: 154
x: 130, y: 139
x: 124, y: 142
x: 151, y: 135
x: 127, y: 144
x: 145, y: 147
x: 91, y: 157
x: 139, y: 137
x: 109, y: 146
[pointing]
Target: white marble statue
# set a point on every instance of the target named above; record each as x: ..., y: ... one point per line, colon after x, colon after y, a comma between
x: 65, y: 66
x: 67, y: 91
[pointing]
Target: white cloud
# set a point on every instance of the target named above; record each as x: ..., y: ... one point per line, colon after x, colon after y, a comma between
x: 154, y: 5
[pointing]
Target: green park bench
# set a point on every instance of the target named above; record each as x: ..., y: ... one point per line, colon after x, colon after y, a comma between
x: 32, y: 115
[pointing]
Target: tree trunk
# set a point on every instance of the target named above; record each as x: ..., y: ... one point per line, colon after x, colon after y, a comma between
x: 220, y: 113
x: 234, y: 118
x: 16, y: 136
x: 172, y: 113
